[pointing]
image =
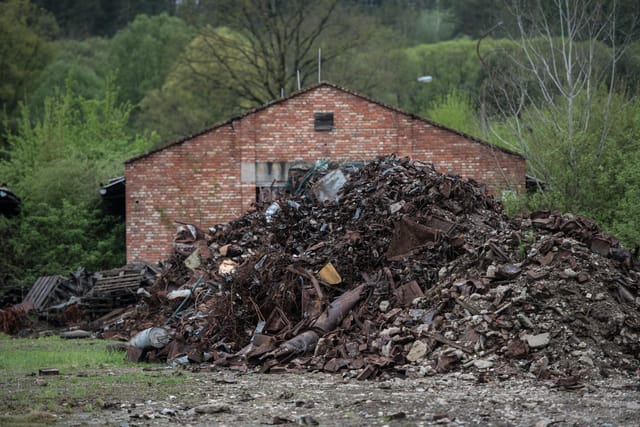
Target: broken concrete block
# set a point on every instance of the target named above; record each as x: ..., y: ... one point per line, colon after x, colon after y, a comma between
x: 538, y: 341
x: 417, y: 351
x: 482, y: 364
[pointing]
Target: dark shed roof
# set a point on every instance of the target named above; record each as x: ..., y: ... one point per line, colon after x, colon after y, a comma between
x: 9, y: 202
x: 113, y: 195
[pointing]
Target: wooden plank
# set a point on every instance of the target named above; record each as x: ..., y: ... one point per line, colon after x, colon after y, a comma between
x: 120, y: 279
x: 116, y: 286
x: 41, y: 290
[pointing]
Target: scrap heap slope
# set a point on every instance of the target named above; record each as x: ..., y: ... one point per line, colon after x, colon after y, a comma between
x: 408, y: 272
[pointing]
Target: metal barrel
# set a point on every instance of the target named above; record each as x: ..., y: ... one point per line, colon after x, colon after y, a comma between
x: 150, y: 338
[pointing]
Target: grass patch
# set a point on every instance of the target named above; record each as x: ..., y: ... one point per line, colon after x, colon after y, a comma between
x: 22, y: 355
x: 91, y: 378
x: 33, y: 418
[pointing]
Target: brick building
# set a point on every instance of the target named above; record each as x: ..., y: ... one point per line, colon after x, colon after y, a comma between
x: 216, y: 174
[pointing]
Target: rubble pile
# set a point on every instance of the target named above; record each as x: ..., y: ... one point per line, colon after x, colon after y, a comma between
x: 14, y: 318
x: 78, y: 298
x: 408, y: 272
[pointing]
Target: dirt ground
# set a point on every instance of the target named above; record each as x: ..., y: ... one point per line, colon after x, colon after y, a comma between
x: 228, y: 398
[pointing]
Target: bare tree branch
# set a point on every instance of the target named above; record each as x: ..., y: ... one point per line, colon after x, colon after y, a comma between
x: 566, y: 57
x: 263, y: 48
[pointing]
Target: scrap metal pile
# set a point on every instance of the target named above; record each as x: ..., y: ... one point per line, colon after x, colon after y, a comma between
x: 408, y: 272
x: 78, y: 298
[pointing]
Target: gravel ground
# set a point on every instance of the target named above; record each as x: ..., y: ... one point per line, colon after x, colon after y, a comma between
x: 226, y: 398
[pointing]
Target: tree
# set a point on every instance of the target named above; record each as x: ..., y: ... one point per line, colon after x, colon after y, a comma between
x: 90, y: 133
x: 142, y: 54
x: 191, y: 103
x: 454, y: 67
x: 189, y: 106
x: 90, y: 18
x: 255, y: 57
x: 458, y: 112
x: 560, y: 101
x: 615, y: 195
x: 266, y: 46
x: 56, y: 163
x: 50, y: 240
x: 25, y: 49
x: 76, y: 18
x: 416, y: 21
x: 565, y: 65
x: 377, y: 68
x: 474, y: 18
x: 84, y: 62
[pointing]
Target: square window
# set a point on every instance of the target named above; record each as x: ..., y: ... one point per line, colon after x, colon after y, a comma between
x: 323, y: 121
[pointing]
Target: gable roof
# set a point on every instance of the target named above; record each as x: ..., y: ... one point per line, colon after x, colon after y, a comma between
x: 310, y: 89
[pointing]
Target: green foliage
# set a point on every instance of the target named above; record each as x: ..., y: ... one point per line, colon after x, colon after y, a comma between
x: 474, y: 18
x: 562, y: 104
x: 456, y: 111
x: 56, y: 164
x: 25, y: 49
x: 434, y: 26
x: 376, y: 68
x: 524, y: 204
x: 186, y: 96
x: 629, y: 66
x: 57, y: 240
x: 588, y: 174
x: 623, y: 217
x: 89, y: 18
x: 83, y: 62
x: 415, y: 21
x: 454, y: 66
x: 90, y: 134
x: 143, y: 53
x: 615, y: 201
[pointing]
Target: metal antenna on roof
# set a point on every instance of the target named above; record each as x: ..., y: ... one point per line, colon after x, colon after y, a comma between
x: 319, y: 64
x: 298, y: 74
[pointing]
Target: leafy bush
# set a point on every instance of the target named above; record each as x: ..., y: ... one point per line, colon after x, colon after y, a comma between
x: 55, y: 165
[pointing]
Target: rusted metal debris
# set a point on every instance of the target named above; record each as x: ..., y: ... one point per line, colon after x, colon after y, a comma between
x: 79, y: 298
x: 442, y: 281
x: 14, y: 318
x: 433, y: 278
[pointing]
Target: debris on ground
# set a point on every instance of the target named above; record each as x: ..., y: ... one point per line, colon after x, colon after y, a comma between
x: 402, y: 271
x: 409, y: 272
x: 81, y: 297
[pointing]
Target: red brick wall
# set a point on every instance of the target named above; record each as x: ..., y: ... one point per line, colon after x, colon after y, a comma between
x: 199, y: 180
x: 183, y: 183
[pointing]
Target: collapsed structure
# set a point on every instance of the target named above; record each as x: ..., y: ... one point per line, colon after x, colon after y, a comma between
x: 403, y: 271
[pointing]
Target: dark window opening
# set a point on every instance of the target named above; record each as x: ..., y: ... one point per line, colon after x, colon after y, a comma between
x: 323, y: 121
